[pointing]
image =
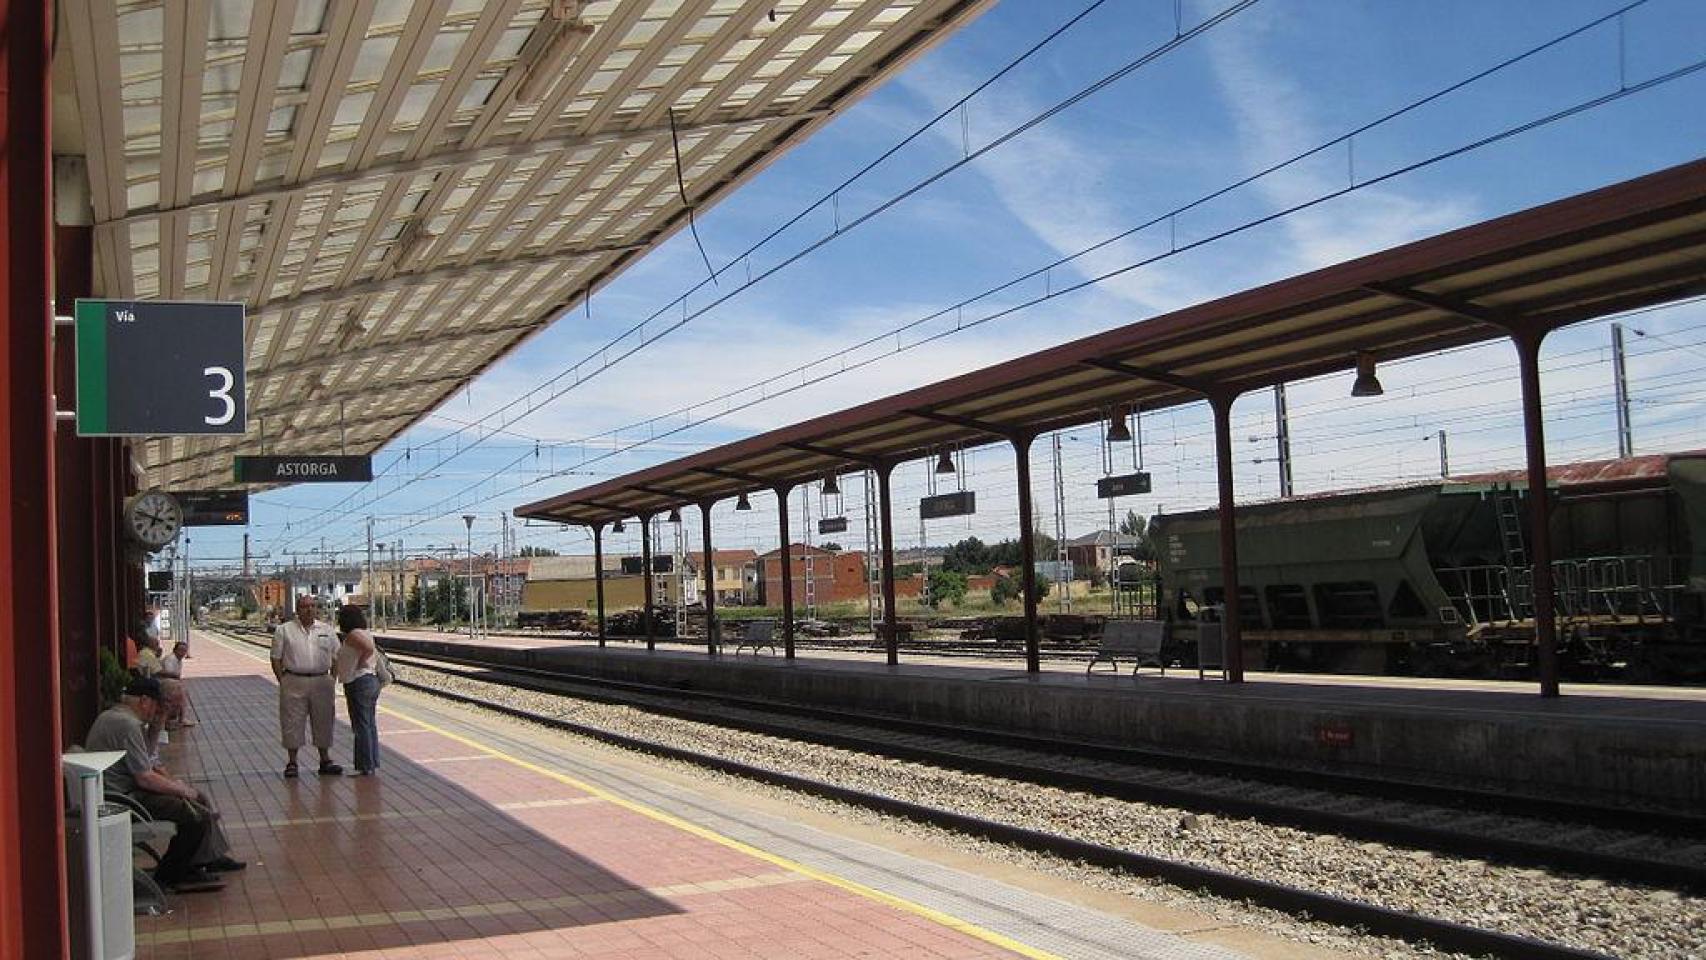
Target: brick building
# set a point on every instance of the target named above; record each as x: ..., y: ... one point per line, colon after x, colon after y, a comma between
x: 835, y: 576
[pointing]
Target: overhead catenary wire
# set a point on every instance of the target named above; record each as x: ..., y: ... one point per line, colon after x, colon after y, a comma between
x: 795, y: 378
x: 608, y: 360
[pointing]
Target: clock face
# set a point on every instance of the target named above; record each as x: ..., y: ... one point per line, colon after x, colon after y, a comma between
x: 155, y: 518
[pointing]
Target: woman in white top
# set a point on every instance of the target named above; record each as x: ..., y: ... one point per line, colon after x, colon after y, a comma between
x: 356, y: 670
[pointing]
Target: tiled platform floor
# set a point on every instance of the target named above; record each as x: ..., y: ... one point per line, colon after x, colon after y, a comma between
x: 460, y: 850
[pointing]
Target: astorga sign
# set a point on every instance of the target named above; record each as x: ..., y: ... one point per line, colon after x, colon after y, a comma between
x: 307, y: 468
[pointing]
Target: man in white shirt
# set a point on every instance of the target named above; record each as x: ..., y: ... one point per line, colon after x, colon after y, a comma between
x: 177, y: 696
x: 302, y: 654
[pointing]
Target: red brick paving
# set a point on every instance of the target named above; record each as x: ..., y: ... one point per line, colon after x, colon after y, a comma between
x: 454, y: 854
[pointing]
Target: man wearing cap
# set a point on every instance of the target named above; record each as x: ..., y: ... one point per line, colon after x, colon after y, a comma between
x: 302, y: 654
x: 198, y: 849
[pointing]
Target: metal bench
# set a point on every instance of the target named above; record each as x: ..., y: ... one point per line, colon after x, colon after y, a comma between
x: 1136, y: 640
x: 759, y: 633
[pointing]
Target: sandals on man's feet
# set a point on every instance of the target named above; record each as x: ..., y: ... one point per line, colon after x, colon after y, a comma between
x: 290, y: 770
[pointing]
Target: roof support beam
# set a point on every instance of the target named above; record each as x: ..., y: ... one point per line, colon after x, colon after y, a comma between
x: 736, y: 475
x: 403, y: 281
x: 831, y: 452
x: 1193, y: 384
x: 666, y: 492
x: 1462, y: 308
x: 461, y: 158
x: 981, y: 426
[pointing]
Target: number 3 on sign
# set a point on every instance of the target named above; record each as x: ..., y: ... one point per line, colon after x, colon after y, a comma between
x: 222, y: 393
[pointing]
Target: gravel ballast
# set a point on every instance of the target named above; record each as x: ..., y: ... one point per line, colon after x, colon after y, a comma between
x: 1622, y: 920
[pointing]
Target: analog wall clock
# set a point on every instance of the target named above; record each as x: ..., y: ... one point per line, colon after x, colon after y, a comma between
x: 153, y: 518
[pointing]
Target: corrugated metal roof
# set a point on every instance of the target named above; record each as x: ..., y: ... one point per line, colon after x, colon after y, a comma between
x: 402, y: 191
x: 1626, y: 246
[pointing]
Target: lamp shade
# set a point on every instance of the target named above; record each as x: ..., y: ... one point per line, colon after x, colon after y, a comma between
x: 1118, y: 431
x: 743, y: 503
x: 945, y: 463
x: 830, y: 487
x: 1367, y: 384
x: 617, y: 527
x: 674, y: 514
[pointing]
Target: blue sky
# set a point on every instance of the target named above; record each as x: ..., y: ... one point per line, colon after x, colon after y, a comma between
x: 1267, y: 82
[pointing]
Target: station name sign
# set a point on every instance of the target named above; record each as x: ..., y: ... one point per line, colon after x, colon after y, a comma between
x: 832, y: 525
x: 956, y: 504
x: 160, y: 368
x: 305, y: 468
x: 214, y: 508
x: 1125, y: 485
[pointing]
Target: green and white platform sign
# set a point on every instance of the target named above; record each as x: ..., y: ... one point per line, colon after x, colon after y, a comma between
x: 160, y: 368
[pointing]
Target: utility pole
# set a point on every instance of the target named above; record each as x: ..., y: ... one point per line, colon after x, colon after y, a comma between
x: 468, y: 522
x: 503, y: 566
x: 1625, y: 436
x: 371, y: 588
x: 1282, y: 436
x: 1062, y: 580
x: 245, y: 556
x: 1444, y: 462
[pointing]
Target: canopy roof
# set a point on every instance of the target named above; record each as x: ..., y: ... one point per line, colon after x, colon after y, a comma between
x: 1630, y: 245
x: 394, y: 198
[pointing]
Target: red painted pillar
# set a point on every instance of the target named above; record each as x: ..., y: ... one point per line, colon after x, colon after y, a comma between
x: 83, y: 611
x: 598, y: 575
x: 648, y: 577
x: 1232, y: 620
x: 1540, y: 532
x: 711, y: 630
x: 787, y: 574
x: 891, y: 617
x: 1027, y: 553
x: 33, y: 917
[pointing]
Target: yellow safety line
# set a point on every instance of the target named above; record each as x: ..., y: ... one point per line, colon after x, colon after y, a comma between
x: 851, y: 886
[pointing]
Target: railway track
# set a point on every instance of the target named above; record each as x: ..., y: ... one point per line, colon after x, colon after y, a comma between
x: 1574, y: 847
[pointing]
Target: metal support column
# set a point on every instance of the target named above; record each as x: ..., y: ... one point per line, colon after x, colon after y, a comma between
x: 1527, y: 341
x: 1620, y: 377
x: 711, y: 630
x: 647, y: 576
x: 1027, y: 551
x: 787, y: 572
x: 33, y: 913
x: 1230, y: 619
x: 1282, y: 440
x: 598, y: 575
x: 885, y: 504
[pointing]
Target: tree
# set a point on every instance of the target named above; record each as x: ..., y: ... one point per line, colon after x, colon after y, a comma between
x: 833, y: 547
x: 1135, y: 527
x: 1003, y: 590
x: 967, y: 556
x: 538, y: 552
x: 947, y: 585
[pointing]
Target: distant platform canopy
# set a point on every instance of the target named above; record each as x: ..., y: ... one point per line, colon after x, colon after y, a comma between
x: 402, y: 192
x: 1631, y: 245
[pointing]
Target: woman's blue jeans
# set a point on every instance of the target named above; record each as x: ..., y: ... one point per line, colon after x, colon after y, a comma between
x: 362, y: 695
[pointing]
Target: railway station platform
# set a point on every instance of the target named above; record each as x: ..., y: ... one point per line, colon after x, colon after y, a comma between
x: 1628, y: 746
x: 484, y: 838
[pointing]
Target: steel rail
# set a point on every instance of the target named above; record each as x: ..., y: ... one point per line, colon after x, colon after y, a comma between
x: 1308, y: 904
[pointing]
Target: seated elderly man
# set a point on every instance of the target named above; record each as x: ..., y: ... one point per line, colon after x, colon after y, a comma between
x: 198, y: 850
x: 176, y: 697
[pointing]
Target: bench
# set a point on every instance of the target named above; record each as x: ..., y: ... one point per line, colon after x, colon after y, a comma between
x: 1136, y: 640
x: 759, y: 633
